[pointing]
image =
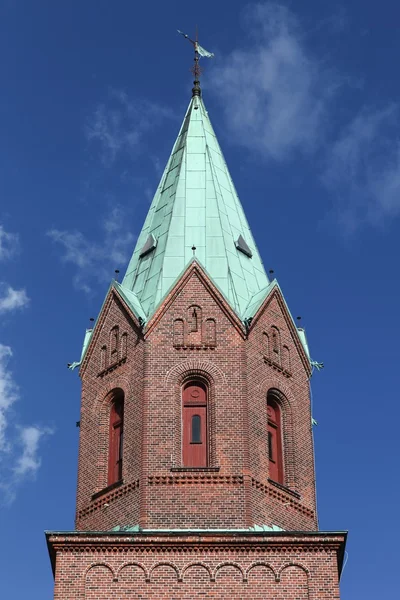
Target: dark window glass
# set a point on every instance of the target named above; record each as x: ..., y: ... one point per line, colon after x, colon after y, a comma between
x: 116, y: 441
x: 270, y: 446
x: 196, y: 429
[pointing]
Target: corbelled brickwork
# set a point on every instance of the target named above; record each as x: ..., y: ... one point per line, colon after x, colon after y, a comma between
x: 275, y: 566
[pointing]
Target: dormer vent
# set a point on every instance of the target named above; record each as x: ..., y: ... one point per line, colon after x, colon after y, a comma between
x: 242, y: 246
x: 150, y: 244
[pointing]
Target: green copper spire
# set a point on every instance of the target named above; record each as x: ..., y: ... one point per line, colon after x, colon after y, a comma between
x: 196, y: 213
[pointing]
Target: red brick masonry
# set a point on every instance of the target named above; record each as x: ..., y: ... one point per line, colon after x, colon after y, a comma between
x: 239, y: 367
x: 155, y: 565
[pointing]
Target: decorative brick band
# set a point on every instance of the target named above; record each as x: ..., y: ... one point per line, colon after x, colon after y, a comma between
x: 282, y: 497
x: 107, y: 499
x: 207, y: 550
x: 195, y: 478
x: 177, y: 547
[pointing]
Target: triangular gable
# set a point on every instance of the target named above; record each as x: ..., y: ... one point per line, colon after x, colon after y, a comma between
x: 196, y: 268
x: 274, y: 290
x: 114, y: 292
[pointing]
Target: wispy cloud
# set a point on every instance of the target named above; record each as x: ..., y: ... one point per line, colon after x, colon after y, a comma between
x: 11, y: 299
x: 29, y: 461
x: 9, y: 244
x: 283, y: 104
x: 363, y: 169
x: 19, y: 444
x: 118, y: 125
x: 281, y: 91
x: 8, y: 393
x: 96, y: 260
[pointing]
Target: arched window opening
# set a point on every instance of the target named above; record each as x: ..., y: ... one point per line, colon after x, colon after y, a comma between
x: 286, y: 358
x: 103, y: 358
x: 210, y: 332
x: 114, y: 342
x: 124, y: 345
x: 179, y: 331
x: 116, y: 439
x: 194, y: 425
x: 194, y: 318
x: 276, y: 344
x: 265, y: 343
x: 275, y: 440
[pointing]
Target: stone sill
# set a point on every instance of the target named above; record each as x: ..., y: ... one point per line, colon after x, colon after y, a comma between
x: 284, y: 488
x: 195, y: 469
x: 109, y: 488
x: 276, y: 366
x: 112, y: 367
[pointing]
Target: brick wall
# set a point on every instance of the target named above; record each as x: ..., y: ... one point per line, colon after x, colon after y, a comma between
x: 186, y: 567
x: 239, y: 370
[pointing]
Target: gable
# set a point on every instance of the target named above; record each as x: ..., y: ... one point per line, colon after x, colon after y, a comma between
x: 115, y: 324
x: 196, y: 291
x: 273, y: 313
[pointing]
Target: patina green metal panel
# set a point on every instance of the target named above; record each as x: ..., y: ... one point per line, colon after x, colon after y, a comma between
x: 196, y: 204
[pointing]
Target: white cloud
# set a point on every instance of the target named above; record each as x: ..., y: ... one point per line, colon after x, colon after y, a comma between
x: 96, y: 260
x: 118, y: 125
x: 19, y: 445
x: 28, y: 462
x: 275, y: 94
x: 277, y: 97
x: 11, y: 299
x: 363, y: 169
x: 9, y: 244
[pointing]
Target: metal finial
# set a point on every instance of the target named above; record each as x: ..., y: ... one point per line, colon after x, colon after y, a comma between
x: 116, y: 274
x: 196, y: 69
x: 194, y: 250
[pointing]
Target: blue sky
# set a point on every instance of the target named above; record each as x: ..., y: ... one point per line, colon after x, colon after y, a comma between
x: 304, y: 98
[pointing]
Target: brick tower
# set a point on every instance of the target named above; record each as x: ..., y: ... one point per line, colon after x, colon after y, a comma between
x: 196, y: 467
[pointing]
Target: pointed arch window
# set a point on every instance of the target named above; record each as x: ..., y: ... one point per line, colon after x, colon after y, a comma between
x: 116, y: 438
x: 194, y: 425
x: 275, y: 440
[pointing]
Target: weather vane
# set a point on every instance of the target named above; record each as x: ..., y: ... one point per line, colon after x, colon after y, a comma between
x: 198, y: 52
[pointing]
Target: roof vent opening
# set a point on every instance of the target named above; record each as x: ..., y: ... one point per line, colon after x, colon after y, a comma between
x: 242, y: 246
x: 150, y: 244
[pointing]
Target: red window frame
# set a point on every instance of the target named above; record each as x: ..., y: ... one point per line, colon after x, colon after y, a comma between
x: 116, y: 440
x: 194, y: 425
x: 274, y: 436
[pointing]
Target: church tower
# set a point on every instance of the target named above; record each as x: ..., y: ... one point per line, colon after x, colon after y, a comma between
x: 196, y: 468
